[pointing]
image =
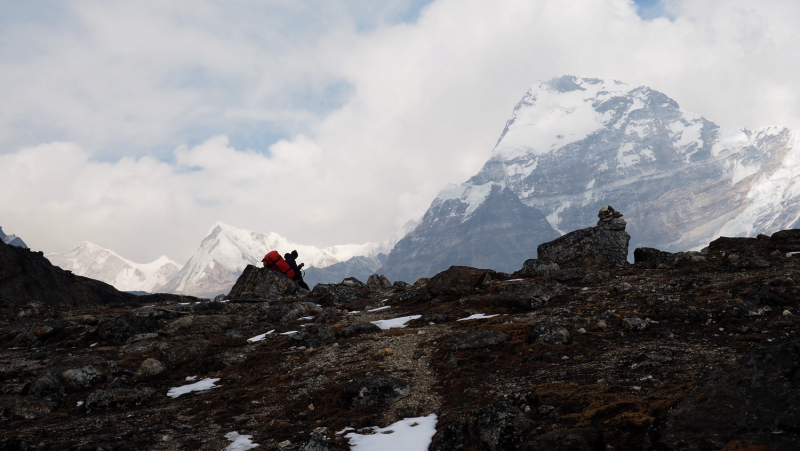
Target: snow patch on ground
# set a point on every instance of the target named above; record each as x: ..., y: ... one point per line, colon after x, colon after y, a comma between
x: 240, y: 442
x: 205, y: 384
x: 478, y: 316
x: 395, y: 323
x: 260, y: 337
x: 408, y: 434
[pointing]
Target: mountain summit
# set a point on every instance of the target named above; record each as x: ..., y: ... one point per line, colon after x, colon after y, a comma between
x: 575, y: 144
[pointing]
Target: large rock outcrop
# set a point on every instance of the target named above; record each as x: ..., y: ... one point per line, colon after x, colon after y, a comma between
x: 27, y: 276
x: 263, y: 283
x: 601, y: 247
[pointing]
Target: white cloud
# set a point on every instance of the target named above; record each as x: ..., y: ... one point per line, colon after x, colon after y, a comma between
x: 146, y: 92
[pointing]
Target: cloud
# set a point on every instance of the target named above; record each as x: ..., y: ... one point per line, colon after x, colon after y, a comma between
x: 327, y: 122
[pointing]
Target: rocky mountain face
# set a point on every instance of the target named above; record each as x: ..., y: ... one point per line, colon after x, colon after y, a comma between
x: 663, y: 354
x: 485, y: 226
x: 12, y: 240
x: 90, y: 260
x: 575, y: 144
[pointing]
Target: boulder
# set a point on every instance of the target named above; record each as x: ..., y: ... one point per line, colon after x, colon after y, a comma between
x: 753, y: 400
x: 358, y: 329
x: 636, y: 324
x: 318, y: 441
x: 374, y: 390
x: 548, y: 333
x: 527, y: 294
x: 601, y: 247
x: 180, y: 353
x: 378, y: 281
x: 537, y: 267
x: 45, y: 384
x: 353, y: 282
x: 337, y: 294
x: 150, y: 369
x: 264, y: 283
x: 458, y: 280
x: 477, y: 339
x: 120, y: 328
x: 83, y: 378
x: 498, y: 427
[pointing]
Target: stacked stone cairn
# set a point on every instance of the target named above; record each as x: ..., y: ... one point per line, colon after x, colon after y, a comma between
x: 607, y: 213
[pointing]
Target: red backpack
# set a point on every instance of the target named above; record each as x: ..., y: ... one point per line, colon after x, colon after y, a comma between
x: 275, y: 262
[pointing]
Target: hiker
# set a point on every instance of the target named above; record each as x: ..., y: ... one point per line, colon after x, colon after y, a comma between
x: 290, y: 258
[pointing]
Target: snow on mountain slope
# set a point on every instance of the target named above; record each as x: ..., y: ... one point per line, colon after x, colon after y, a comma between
x: 227, y: 250
x: 12, y: 240
x: 575, y: 144
x: 90, y: 260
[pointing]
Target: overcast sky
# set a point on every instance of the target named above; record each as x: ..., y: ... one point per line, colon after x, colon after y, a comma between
x: 137, y: 125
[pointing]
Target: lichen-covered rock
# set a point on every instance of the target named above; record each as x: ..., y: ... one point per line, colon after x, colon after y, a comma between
x: 636, y: 324
x: 601, y: 247
x: 477, y: 339
x: 318, y: 441
x: 538, y: 267
x: 264, y: 283
x: 527, y: 294
x: 498, y: 427
x: 374, y: 390
x: 337, y: 294
x: 150, y: 369
x: 353, y: 282
x: 83, y: 378
x: 549, y: 333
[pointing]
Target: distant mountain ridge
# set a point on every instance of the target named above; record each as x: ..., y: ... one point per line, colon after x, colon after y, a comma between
x: 575, y: 144
x: 12, y: 240
x: 90, y: 260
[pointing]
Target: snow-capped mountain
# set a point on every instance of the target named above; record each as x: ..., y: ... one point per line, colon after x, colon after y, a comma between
x: 90, y: 260
x: 12, y: 240
x: 227, y: 250
x: 575, y: 144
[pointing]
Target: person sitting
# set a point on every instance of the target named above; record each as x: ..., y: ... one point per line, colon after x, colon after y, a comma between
x: 291, y: 259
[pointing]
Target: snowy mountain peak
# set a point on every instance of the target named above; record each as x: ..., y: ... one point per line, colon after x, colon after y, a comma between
x: 12, y: 240
x: 90, y: 260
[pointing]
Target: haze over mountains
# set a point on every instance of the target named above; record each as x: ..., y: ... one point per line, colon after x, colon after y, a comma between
x: 571, y: 146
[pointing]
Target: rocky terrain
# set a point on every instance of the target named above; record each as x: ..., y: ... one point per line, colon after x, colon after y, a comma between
x: 677, y: 351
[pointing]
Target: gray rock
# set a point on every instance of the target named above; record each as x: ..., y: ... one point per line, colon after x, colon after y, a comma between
x: 353, y: 282
x: 375, y: 390
x: 539, y: 267
x: 378, y: 281
x: 601, y: 247
x: 121, y: 328
x: 337, y: 294
x: 623, y: 287
x: 318, y: 441
x: 83, y: 378
x: 204, y: 324
x: 498, y: 427
x: 264, y: 283
x: 477, y: 339
x: 527, y: 294
x: 548, y: 333
x: 357, y: 329
x: 105, y: 398
x: 177, y: 354
x: 150, y: 369
x: 636, y: 324
x: 45, y: 384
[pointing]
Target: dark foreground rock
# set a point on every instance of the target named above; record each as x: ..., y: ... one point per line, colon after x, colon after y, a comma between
x: 370, y: 391
x: 263, y: 283
x: 601, y: 247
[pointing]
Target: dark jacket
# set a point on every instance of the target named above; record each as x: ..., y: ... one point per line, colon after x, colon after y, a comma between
x: 293, y: 264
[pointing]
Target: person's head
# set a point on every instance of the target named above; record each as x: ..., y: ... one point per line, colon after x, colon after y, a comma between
x: 294, y: 254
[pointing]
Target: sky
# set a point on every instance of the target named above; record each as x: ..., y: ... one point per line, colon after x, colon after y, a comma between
x: 138, y: 125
